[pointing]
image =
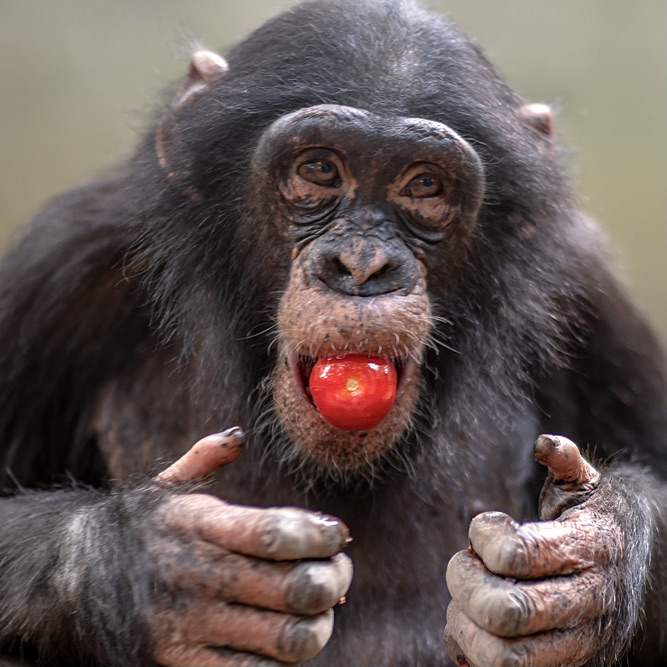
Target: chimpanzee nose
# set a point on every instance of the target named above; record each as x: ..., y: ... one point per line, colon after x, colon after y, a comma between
x: 365, y: 267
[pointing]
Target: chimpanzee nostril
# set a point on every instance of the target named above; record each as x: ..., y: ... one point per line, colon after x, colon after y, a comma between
x: 381, y: 272
x: 359, y: 266
x: 340, y: 267
x: 363, y: 264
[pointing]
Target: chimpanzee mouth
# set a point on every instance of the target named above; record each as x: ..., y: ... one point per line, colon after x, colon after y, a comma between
x: 302, y: 366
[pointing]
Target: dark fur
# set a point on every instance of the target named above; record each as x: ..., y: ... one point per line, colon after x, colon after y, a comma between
x: 164, y: 305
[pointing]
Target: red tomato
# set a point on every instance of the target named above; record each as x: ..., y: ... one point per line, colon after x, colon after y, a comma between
x: 353, y: 393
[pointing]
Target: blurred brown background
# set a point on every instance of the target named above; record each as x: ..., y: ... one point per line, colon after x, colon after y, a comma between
x: 77, y: 77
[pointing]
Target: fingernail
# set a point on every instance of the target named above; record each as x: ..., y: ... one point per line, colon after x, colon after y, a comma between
x: 233, y: 432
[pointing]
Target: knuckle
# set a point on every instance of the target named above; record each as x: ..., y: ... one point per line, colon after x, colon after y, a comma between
x: 504, y: 653
x: 509, y: 658
x: 312, y: 588
x: 501, y: 543
x: 344, y: 570
x: 303, y: 638
x: 318, y: 585
x: 459, y: 570
x: 503, y: 612
x: 452, y: 571
x: 292, y: 533
x: 489, y: 524
x: 507, y: 556
x: 286, y: 533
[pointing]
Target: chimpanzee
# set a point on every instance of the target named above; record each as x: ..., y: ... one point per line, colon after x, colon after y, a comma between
x: 349, y: 249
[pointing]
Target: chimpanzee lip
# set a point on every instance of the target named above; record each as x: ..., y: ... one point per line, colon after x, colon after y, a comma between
x: 302, y: 366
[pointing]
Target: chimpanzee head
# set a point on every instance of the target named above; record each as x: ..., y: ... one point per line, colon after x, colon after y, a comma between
x: 366, y: 203
x: 352, y: 193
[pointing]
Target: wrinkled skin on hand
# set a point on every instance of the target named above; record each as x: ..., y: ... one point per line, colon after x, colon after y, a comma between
x: 534, y: 593
x: 240, y: 585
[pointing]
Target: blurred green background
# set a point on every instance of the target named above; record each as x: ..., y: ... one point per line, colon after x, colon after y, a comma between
x: 77, y: 77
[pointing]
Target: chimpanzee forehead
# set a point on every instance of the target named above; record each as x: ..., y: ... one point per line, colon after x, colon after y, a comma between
x: 363, y: 133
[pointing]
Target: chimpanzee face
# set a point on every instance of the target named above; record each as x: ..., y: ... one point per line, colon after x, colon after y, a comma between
x: 368, y: 205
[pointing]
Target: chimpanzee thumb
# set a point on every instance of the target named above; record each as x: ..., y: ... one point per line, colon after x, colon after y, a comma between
x: 571, y: 479
x: 201, y: 461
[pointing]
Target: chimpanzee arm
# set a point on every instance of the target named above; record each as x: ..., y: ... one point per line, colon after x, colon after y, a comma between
x: 149, y: 573
x: 582, y: 586
x: 64, y: 307
x: 71, y: 584
x: 153, y: 575
x: 572, y: 589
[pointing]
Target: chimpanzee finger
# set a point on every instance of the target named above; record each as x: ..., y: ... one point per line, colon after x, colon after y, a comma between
x: 508, y: 608
x: 276, y: 533
x: 302, y: 587
x: 571, y: 478
x: 542, y: 548
x: 205, y: 457
x: 470, y: 645
x: 282, y: 637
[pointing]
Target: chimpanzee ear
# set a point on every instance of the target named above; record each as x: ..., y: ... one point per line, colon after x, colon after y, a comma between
x: 204, y: 69
x: 538, y: 116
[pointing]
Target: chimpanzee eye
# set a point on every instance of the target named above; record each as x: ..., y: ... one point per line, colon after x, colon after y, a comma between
x: 422, y: 186
x: 319, y: 172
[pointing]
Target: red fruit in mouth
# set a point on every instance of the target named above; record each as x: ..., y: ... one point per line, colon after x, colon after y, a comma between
x: 354, y: 392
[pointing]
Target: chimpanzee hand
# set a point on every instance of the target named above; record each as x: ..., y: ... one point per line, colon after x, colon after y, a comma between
x: 240, y: 585
x: 538, y: 593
